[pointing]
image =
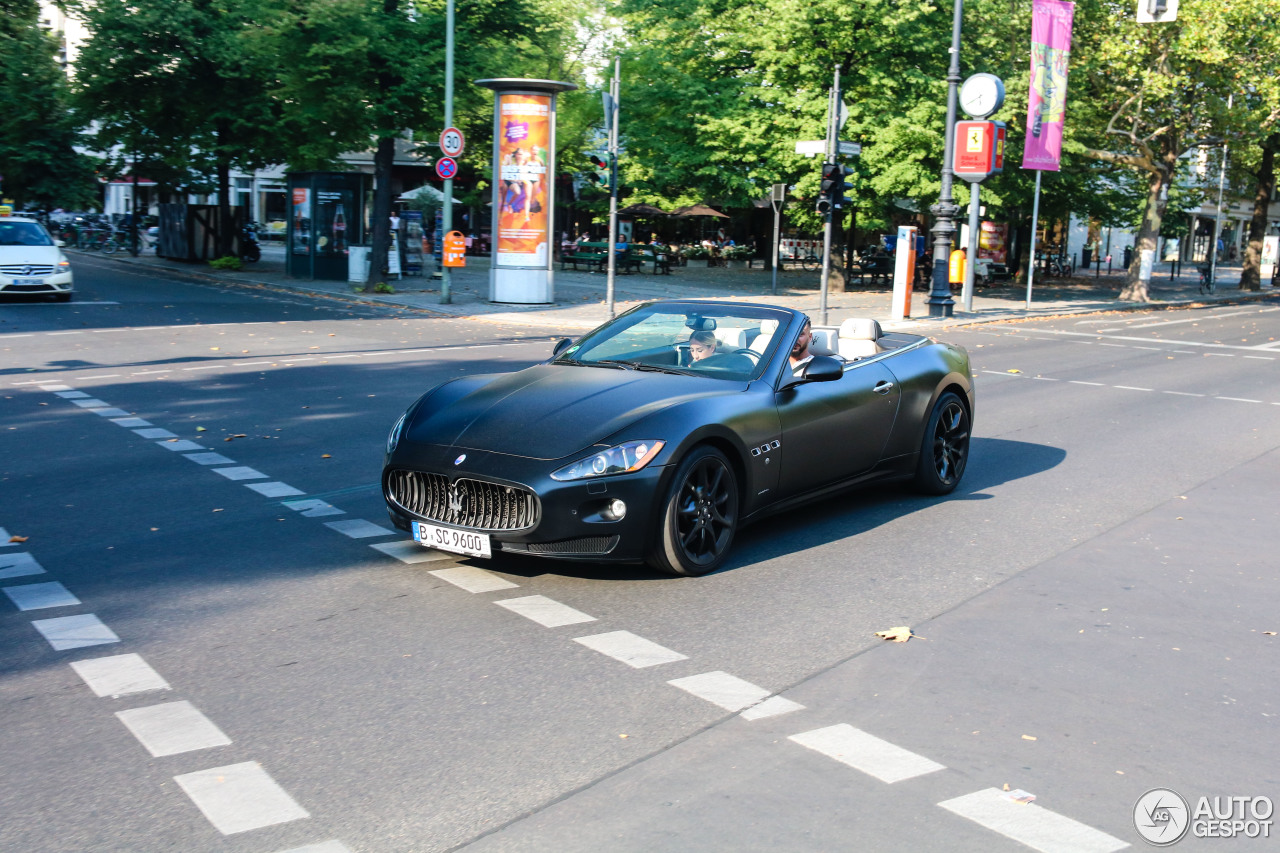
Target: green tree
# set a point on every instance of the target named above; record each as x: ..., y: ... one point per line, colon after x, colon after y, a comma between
x: 174, y: 84
x: 38, y: 158
x: 1152, y: 93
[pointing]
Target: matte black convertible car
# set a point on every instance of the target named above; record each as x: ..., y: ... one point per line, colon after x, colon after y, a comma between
x: 626, y: 447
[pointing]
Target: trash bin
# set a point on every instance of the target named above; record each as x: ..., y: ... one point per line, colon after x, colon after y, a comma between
x: 1086, y: 255
x: 1128, y: 256
x: 357, y: 263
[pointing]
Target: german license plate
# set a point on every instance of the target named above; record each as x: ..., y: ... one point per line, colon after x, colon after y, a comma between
x: 28, y: 281
x: 454, y: 541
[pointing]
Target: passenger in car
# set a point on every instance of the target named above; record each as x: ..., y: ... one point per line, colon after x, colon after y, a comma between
x: 702, y: 344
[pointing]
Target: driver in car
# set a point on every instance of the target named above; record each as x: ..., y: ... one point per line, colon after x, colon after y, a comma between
x: 800, y: 354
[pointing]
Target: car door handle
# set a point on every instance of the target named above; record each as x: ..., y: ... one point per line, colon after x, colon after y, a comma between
x: 884, y: 387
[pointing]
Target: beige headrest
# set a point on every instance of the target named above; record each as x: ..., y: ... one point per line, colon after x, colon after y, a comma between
x: 860, y: 329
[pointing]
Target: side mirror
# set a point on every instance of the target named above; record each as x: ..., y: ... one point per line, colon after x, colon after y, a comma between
x: 821, y: 368
x: 561, y: 346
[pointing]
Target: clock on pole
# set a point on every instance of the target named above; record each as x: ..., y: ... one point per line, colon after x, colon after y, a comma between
x: 982, y: 95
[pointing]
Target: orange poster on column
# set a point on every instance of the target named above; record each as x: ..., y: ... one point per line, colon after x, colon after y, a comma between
x: 523, y: 149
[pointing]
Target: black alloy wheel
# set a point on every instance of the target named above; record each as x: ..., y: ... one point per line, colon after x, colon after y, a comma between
x: 945, y: 449
x: 699, y: 517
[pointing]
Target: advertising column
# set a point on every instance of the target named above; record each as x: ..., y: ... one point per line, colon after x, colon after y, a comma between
x: 523, y: 189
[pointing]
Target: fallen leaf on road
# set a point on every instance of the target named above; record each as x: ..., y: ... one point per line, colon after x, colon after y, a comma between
x: 1013, y: 370
x: 1029, y: 737
x: 325, y: 456
x: 1020, y: 796
x: 219, y: 509
x: 898, y: 635
x: 1006, y: 786
x: 17, y: 538
x: 201, y: 429
x: 24, y: 539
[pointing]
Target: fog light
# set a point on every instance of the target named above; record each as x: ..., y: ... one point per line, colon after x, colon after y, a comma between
x: 615, y: 510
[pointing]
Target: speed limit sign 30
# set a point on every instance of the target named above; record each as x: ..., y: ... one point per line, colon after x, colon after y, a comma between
x: 452, y: 142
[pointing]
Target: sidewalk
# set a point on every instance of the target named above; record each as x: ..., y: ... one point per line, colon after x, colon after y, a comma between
x: 581, y: 296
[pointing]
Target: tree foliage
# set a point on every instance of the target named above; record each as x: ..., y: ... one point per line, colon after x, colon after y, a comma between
x: 38, y: 135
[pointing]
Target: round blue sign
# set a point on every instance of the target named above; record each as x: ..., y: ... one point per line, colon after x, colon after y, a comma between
x: 447, y: 168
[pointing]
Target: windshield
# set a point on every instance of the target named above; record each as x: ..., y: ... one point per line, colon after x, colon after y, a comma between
x: 23, y: 234
x: 730, y: 342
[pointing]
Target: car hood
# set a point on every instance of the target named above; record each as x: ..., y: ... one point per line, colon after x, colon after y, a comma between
x: 550, y: 411
x: 30, y: 255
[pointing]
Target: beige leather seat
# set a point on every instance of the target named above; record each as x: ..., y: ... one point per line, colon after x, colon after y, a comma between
x: 767, y: 328
x: 858, y: 336
x: 731, y: 338
x: 824, y: 342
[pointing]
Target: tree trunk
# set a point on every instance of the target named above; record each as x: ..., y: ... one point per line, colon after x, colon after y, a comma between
x: 383, y: 159
x: 1250, y: 276
x: 224, y: 247
x: 1136, y: 288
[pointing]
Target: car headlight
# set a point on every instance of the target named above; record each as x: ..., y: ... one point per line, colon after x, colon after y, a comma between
x: 619, y: 459
x: 393, y: 437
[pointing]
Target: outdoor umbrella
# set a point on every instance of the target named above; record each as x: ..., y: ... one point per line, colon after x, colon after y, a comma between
x: 697, y: 210
x: 642, y: 209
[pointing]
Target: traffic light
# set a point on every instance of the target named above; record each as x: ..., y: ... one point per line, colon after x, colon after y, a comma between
x: 603, y: 177
x: 832, y: 187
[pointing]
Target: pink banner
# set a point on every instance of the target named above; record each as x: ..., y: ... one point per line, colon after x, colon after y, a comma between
x: 1047, y: 105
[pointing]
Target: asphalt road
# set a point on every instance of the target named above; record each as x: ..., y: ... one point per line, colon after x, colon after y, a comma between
x: 1091, y: 605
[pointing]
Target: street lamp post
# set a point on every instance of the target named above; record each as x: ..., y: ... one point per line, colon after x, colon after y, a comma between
x: 940, y: 302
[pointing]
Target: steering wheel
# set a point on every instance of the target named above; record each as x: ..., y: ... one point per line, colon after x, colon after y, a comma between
x: 749, y: 353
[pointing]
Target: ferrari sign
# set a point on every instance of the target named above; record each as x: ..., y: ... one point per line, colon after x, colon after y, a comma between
x: 979, y: 150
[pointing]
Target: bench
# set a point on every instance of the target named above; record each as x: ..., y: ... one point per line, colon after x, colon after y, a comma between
x: 596, y: 257
x: 645, y: 254
x: 591, y: 259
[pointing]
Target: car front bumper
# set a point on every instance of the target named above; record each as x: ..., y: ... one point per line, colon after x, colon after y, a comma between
x: 570, y: 519
x: 37, y: 284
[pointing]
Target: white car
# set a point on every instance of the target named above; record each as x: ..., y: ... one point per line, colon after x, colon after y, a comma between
x: 31, y: 261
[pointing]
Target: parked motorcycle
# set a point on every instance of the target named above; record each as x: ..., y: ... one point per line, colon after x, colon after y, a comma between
x: 250, y: 251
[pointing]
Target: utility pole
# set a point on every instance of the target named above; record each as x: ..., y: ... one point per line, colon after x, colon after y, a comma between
x: 940, y: 302
x: 833, y: 123
x: 611, y: 117
x: 446, y: 273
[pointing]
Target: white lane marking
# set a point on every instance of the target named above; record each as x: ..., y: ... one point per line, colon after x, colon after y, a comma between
x: 149, y: 372
x: 1202, y: 318
x: 239, y: 797
x: 1121, y: 346
x: 1185, y: 352
x: 91, y: 403
x: 72, y: 395
x: 1238, y: 399
x: 322, y: 847
x: 44, y: 386
x: 52, y: 334
x: 129, y: 423
x: 241, y: 474
x: 99, y: 376
x: 75, y: 632
x: 358, y: 528
x: 1260, y: 357
x: 1222, y: 354
x: 634, y: 651
x: 181, y: 445
x: 470, y: 578
x: 1030, y: 824
x: 1155, y: 349
x: 1046, y: 378
x: 119, y: 675
x: 19, y: 565
x: 110, y: 413
x: 155, y: 433
x: 408, y: 551
x: 209, y: 459
x: 172, y: 728
x: 1182, y: 393
x: 274, y: 489
x: 721, y: 688
x: 348, y: 355
x: 771, y: 707
x: 38, y: 596
x: 1130, y: 388
x: 313, y: 508
x: 868, y: 753
x: 545, y: 611
x: 1082, y: 382
x: 206, y: 367
x: 296, y: 360
x: 248, y: 363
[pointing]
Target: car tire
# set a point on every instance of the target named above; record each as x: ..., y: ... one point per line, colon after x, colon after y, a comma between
x: 944, y: 452
x: 699, y: 515
x: 62, y: 297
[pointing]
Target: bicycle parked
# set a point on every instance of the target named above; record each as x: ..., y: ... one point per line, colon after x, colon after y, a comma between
x: 1206, y: 278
